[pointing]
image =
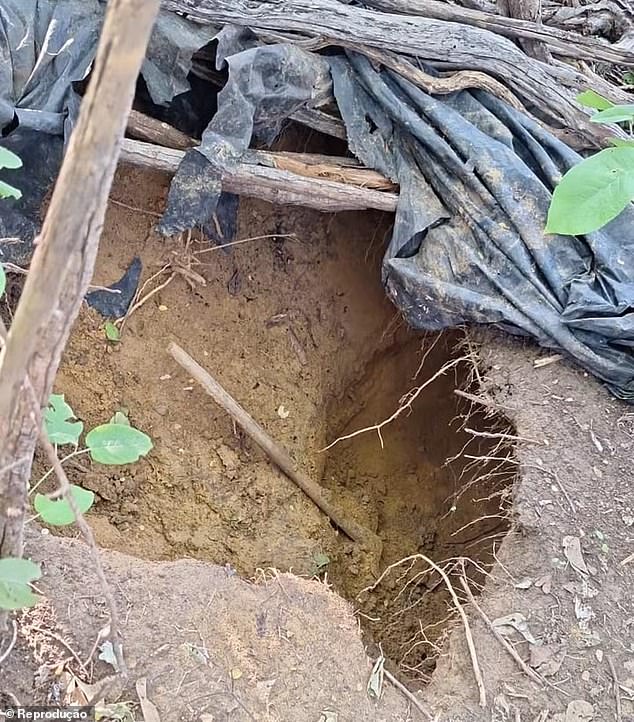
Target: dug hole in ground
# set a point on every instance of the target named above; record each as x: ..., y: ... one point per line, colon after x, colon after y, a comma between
x: 240, y: 601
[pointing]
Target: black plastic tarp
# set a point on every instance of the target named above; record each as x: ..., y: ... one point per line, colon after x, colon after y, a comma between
x: 46, y: 48
x: 475, y: 179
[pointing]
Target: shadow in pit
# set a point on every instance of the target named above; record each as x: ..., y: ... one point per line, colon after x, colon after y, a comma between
x: 428, y: 485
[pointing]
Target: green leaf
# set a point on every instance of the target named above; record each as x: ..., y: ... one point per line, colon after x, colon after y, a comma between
x: 56, y: 422
x: 120, y: 418
x: 622, y: 143
x: 18, y: 571
x: 117, y: 444
x: 112, y: 332
x: 615, y: 114
x: 9, y: 159
x: 15, y: 575
x: 628, y: 77
x: 7, y: 191
x: 590, y: 99
x: 16, y: 596
x: 3, y: 280
x: 592, y: 193
x: 58, y: 512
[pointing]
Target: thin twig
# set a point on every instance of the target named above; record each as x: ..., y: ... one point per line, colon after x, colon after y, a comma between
x: 409, y: 695
x: 146, y: 298
x: 500, y: 638
x: 245, y: 240
x: 134, y: 208
x: 617, y: 691
x: 276, y: 453
x: 12, y: 268
x: 14, y: 637
x: 629, y: 558
x: 505, y: 437
x: 553, y: 475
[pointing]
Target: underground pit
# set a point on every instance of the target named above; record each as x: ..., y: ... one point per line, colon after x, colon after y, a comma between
x: 295, y: 324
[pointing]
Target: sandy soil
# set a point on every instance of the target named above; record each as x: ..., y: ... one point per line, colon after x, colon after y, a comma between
x: 297, y: 328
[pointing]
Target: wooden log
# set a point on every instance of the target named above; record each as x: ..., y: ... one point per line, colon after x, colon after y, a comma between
x: 143, y: 127
x: 309, y: 165
x: 561, y: 42
x: 447, y: 45
x: 270, y: 184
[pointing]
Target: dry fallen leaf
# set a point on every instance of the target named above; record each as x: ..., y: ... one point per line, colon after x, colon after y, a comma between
x: 150, y: 712
x: 579, y: 711
x: 327, y: 715
x: 516, y: 621
x: 524, y: 583
x: 545, y: 583
x: 375, y: 683
x: 573, y: 553
x: 547, y: 658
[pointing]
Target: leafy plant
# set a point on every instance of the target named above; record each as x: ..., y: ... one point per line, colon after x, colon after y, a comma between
x: 320, y: 564
x: 15, y: 576
x: 598, y: 189
x: 9, y: 160
x: 113, y: 443
x: 3, y: 281
x: 57, y: 419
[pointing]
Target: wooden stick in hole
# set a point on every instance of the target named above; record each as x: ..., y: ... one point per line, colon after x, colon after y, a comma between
x: 278, y: 455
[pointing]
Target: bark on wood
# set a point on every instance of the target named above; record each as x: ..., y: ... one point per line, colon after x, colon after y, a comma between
x: 530, y: 10
x: 64, y: 258
x: 447, y: 45
x: 143, y: 127
x: 561, y: 42
x: 272, y: 184
x: 308, y: 165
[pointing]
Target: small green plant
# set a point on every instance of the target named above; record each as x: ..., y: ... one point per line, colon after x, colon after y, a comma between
x: 320, y: 564
x: 116, y: 442
x: 112, y: 332
x: 9, y: 160
x: 598, y: 189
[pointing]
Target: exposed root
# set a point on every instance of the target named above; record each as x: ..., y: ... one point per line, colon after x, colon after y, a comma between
x: 500, y: 638
x: 5, y: 655
x: 459, y: 608
x: 405, y: 404
x: 410, y: 695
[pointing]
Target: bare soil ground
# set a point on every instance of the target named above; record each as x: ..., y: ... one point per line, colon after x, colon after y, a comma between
x: 296, y: 326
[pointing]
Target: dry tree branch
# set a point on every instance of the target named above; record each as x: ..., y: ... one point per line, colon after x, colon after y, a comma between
x: 409, y: 695
x: 500, y: 638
